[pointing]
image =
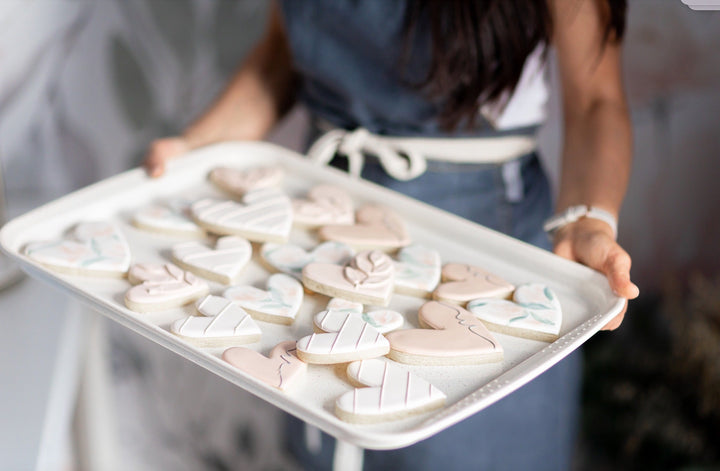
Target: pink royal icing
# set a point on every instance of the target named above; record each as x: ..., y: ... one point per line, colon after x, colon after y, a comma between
x: 281, y: 370
x: 463, y: 282
x: 376, y: 227
x: 325, y: 204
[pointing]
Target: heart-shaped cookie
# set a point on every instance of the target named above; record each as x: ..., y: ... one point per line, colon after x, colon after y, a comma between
x: 383, y: 320
x: 263, y: 216
x: 240, y: 181
x: 171, y: 217
x: 417, y: 270
x: 281, y: 370
x: 454, y: 337
x: 392, y: 393
x: 367, y: 278
x: 225, y: 324
x: 93, y: 248
x: 462, y: 282
x: 291, y: 259
x: 351, y: 339
x: 224, y: 263
x: 376, y: 227
x: 162, y: 287
x: 279, y: 303
x: 325, y: 204
x: 534, y: 313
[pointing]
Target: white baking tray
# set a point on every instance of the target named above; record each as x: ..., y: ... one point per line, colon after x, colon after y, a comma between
x: 586, y: 298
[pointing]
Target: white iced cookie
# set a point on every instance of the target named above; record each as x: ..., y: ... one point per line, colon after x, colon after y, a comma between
x: 281, y: 370
x: 386, y: 392
x: 351, y: 339
x: 325, y: 204
x: 291, y: 259
x: 417, y: 271
x: 367, y: 278
x: 240, y: 181
x: 462, y: 282
x: 171, y: 218
x: 534, y: 313
x: 224, y: 263
x: 279, y: 303
x: 224, y: 323
x: 383, y: 320
x: 93, y: 248
x: 162, y: 287
x: 263, y: 216
x: 376, y: 227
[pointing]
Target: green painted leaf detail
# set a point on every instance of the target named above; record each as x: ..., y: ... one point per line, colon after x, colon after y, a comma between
x: 548, y: 294
x: 541, y: 319
x: 370, y: 320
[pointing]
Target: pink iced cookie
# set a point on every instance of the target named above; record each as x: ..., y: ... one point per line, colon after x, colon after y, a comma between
x: 171, y: 217
x: 462, y: 282
x: 162, y: 287
x: 222, y: 324
x: 240, y: 181
x: 454, y: 337
x: 325, y: 204
x: 367, y: 278
x: 281, y: 370
x: 386, y: 392
x: 376, y: 227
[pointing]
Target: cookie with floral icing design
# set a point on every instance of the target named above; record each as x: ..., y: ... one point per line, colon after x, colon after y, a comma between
x: 237, y: 182
x: 453, y: 336
x: 462, y: 282
x: 367, y: 278
x: 93, y: 248
x: 291, y: 259
x: 162, y: 287
x: 224, y: 263
x: 534, y: 313
x: 417, y: 271
x: 376, y: 227
x: 324, y: 204
x: 281, y: 370
x: 279, y: 304
x: 351, y: 339
x: 223, y: 324
x: 384, y: 320
x: 385, y: 392
x: 170, y: 218
x: 263, y: 216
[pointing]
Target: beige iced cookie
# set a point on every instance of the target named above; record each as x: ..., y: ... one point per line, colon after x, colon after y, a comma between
x: 281, y: 370
x: 376, y: 227
x: 263, y: 216
x: 367, y: 278
x: 224, y: 263
x: 223, y: 323
x: 240, y: 181
x: 162, y: 287
x: 385, y: 392
x: 171, y: 218
x: 417, y: 271
x: 462, y: 282
x: 291, y: 259
x: 534, y: 313
x: 454, y: 337
x: 279, y: 303
x: 92, y: 248
x: 325, y: 204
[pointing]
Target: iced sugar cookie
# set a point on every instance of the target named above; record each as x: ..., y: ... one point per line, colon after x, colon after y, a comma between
x: 534, y: 313
x: 224, y: 263
x: 351, y: 339
x: 93, y: 248
x: 291, y: 259
x: 162, y: 287
x: 171, y: 218
x: 417, y: 271
x: 376, y: 227
x: 263, y: 216
x: 325, y: 204
x: 386, y: 392
x: 224, y: 323
x: 367, y: 278
x: 281, y: 370
x: 279, y: 303
x: 454, y: 337
x: 462, y: 282
x: 383, y: 320
x: 240, y: 181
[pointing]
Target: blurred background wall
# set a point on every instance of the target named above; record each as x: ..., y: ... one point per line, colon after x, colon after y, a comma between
x: 86, y: 85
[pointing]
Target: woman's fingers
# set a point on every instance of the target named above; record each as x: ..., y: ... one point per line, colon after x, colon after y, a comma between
x: 617, y: 320
x: 161, y: 151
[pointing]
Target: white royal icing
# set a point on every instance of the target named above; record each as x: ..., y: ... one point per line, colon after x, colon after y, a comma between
x: 417, y: 268
x: 226, y: 320
x: 282, y: 299
x: 170, y: 216
x: 325, y: 204
x: 384, y: 320
x: 291, y: 259
x: 226, y: 260
x: 162, y: 285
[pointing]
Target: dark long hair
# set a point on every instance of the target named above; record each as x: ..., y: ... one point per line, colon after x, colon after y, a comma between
x: 479, y: 47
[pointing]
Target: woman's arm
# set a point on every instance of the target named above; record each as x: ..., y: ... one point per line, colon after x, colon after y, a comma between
x: 597, y: 147
x: 256, y: 98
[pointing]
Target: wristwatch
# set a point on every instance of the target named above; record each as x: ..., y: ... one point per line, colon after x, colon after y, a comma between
x: 573, y: 213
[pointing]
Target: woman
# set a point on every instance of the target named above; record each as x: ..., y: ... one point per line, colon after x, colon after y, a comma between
x: 464, y: 74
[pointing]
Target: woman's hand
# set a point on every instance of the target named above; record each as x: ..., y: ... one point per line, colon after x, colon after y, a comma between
x: 591, y: 242
x: 163, y: 150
